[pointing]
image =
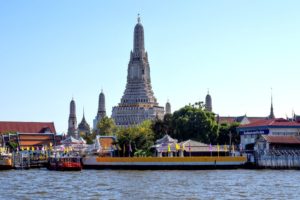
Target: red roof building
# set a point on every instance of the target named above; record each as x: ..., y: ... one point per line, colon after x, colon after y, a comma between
x: 249, y: 133
x: 27, y: 127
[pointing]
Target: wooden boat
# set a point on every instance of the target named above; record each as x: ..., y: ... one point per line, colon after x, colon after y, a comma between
x: 201, y: 162
x: 65, y: 163
x: 6, y: 161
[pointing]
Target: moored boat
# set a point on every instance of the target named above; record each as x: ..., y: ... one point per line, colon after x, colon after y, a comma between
x: 65, y: 163
x: 6, y: 161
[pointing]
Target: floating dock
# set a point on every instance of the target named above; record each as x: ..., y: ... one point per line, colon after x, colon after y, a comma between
x: 151, y: 163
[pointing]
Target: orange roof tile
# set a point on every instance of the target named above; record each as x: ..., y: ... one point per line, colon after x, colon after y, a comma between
x: 27, y: 127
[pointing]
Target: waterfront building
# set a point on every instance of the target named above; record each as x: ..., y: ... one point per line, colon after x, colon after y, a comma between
x: 84, y: 127
x: 106, y: 146
x: 277, y: 143
x: 168, y: 108
x: 249, y: 133
x: 138, y: 102
x: 72, y: 128
x: 35, y: 140
x: 208, y: 102
x: 195, y: 148
x: 101, y: 110
x: 166, y: 146
x: 33, y: 133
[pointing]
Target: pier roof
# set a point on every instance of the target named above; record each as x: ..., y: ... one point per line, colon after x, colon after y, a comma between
x: 35, y: 139
x: 282, y: 139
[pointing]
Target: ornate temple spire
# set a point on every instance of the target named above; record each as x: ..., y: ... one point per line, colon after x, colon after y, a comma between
x: 83, y: 126
x: 208, y: 102
x: 101, y: 110
x: 168, y: 107
x: 138, y: 37
x: 101, y: 104
x: 138, y: 102
x: 72, y: 118
x: 271, y: 116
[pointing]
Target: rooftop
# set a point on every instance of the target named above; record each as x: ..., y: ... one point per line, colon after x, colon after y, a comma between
x: 282, y: 139
x: 27, y: 127
x: 279, y: 122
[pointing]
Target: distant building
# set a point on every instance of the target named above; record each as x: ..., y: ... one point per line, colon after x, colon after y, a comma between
x: 101, y: 110
x: 243, y: 119
x: 72, y: 128
x: 249, y: 133
x: 138, y: 102
x: 239, y: 119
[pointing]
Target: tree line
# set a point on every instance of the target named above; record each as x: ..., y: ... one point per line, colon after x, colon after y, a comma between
x: 190, y: 122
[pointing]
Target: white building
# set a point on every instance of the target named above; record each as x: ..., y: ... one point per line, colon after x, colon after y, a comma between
x: 249, y: 133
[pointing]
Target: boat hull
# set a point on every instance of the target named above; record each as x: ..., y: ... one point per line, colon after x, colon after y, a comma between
x: 153, y: 163
x: 64, y: 164
x: 6, y: 163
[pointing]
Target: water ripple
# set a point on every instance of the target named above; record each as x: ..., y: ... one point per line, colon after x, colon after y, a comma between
x: 110, y: 184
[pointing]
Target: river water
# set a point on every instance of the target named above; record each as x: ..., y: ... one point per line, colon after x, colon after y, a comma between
x: 123, y: 184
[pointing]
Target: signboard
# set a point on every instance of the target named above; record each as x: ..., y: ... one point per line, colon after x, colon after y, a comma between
x: 254, y: 132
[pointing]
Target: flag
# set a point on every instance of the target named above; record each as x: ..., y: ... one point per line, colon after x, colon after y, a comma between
x: 28, y: 148
x: 182, y: 147
x: 177, y: 146
x: 32, y: 148
x: 169, y: 148
x: 218, y: 148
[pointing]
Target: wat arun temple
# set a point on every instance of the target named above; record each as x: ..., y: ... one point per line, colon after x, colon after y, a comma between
x: 138, y: 102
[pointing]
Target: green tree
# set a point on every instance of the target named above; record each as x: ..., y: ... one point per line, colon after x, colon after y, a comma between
x: 228, y: 133
x: 106, y: 126
x: 162, y: 127
x: 193, y: 122
x: 137, y: 138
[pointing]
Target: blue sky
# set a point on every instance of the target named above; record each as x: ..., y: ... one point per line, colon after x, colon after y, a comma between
x: 53, y: 50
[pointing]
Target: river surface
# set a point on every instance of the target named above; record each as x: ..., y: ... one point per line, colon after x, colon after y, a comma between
x: 123, y: 184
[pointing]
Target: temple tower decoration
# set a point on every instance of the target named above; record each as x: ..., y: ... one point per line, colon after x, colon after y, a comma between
x: 271, y: 116
x: 84, y: 127
x: 208, y: 102
x: 72, y: 128
x: 101, y: 110
x: 138, y: 102
x: 168, y: 108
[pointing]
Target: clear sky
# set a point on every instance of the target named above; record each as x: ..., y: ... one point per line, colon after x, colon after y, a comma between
x: 53, y: 50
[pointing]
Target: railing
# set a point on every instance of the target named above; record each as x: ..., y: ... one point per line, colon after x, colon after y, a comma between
x: 278, y: 159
